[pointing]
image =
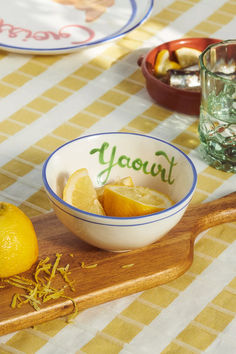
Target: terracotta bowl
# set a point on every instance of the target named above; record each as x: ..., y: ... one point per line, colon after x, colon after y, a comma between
x: 179, y: 100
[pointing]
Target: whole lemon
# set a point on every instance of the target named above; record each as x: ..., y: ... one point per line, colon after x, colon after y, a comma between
x: 18, y: 241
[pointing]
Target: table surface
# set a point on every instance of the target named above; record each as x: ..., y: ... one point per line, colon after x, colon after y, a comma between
x: 48, y: 100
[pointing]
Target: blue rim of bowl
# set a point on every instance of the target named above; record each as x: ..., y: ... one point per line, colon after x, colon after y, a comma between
x: 120, y: 225
x: 121, y: 32
x: 104, y: 217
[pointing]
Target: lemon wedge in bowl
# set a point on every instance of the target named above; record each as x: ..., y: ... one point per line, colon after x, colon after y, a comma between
x: 125, y: 181
x: 124, y: 201
x: 187, y: 56
x: 80, y: 193
x: 163, y: 63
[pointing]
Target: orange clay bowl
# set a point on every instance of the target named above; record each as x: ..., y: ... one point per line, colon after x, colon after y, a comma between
x: 179, y: 100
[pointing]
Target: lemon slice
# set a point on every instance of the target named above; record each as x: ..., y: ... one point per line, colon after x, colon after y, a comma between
x: 187, y: 56
x: 79, y: 192
x: 126, y: 181
x: 124, y: 201
x: 163, y: 63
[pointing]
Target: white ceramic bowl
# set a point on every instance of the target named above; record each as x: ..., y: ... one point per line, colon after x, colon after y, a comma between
x: 149, y: 161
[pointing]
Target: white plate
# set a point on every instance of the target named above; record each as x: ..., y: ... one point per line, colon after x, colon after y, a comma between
x: 58, y: 26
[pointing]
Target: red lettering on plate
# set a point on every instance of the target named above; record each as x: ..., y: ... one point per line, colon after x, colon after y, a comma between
x: 89, y: 31
x: 63, y: 32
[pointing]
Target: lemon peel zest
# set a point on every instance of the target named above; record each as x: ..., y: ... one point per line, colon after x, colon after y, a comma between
x: 12, y: 282
x: 23, y: 280
x: 14, y: 300
x: 40, y: 289
x: 127, y: 265
x: 64, y: 273
x: 90, y: 266
x: 53, y: 272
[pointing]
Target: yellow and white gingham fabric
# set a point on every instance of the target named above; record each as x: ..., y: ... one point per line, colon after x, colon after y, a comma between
x: 48, y: 100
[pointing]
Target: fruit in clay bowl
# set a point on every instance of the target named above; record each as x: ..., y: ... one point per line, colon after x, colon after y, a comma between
x: 183, y: 73
x: 182, y: 100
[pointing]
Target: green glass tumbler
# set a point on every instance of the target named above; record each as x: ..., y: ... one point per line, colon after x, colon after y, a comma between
x: 217, y: 122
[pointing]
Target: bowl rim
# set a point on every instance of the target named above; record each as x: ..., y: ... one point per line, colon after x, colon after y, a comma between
x: 121, y: 218
x: 105, y: 217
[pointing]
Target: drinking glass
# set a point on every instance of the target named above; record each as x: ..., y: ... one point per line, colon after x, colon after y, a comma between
x: 217, y: 123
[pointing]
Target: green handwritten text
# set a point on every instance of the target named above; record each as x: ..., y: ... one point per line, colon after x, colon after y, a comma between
x: 108, y: 159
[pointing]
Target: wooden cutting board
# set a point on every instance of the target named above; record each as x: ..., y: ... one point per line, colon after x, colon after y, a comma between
x: 156, y: 264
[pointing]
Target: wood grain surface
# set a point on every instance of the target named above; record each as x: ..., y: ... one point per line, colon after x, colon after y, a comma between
x: 156, y: 264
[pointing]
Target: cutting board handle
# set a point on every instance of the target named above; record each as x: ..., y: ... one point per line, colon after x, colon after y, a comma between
x: 213, y: 213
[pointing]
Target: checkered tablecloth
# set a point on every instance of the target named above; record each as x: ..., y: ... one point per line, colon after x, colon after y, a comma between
x: 46, y: 101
